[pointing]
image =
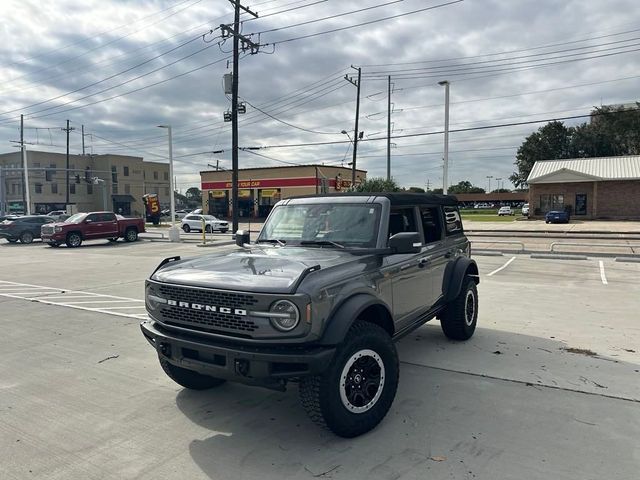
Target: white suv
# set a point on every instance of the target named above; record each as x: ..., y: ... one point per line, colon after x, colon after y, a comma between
x: 525, y: 210
x: 505, y: 211
x: 211, y: 223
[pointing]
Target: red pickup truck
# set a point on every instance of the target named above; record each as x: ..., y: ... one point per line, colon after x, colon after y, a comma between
x: 91, y: 226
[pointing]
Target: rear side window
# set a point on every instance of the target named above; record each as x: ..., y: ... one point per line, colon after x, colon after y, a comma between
x: 402, y: 220
x: 431, y: 224
x: 108, y: 217
x: 453, y: 221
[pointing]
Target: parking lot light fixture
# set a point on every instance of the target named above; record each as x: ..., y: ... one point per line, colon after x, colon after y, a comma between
x: 174, y: 232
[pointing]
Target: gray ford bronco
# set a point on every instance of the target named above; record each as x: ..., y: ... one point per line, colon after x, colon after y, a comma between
x: 319, y: 299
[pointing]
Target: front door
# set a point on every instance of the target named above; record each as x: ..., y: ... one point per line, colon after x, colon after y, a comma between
x: 581, y: 204
x: 410, y: 279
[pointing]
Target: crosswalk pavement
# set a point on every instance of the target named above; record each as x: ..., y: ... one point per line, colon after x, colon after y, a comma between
x: 89, y: 301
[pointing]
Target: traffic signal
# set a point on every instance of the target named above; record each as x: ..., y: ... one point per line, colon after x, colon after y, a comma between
x: 77, y: 178
x: 87, y: 175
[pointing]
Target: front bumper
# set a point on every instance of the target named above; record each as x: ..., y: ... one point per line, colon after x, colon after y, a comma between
x: 263, y: 366
x: 53, y: 237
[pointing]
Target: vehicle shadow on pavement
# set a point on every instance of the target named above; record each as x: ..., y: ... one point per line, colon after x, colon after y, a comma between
x: 462, y: 410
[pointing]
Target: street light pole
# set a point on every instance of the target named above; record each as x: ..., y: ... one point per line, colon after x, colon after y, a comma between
x: 489, y: 177
x: 445, y: 172
x: 174, y: 232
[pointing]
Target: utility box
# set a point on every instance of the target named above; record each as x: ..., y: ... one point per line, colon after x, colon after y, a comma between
x: 227, y: 80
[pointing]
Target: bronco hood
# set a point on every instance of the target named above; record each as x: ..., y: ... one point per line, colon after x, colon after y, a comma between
x: 268, y: 269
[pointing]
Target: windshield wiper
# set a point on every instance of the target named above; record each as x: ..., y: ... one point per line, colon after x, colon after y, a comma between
x: 272, y: 240
x: 321, y: 242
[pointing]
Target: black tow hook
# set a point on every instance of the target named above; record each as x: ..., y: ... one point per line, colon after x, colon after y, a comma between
x: 242, y: 367
x: 165, y: 349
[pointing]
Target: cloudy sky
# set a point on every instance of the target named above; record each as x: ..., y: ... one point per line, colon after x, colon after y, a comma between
x: 122, y: 67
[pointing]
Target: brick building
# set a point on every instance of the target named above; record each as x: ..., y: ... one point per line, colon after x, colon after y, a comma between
x: 261, y: 188
x: 589, y: 188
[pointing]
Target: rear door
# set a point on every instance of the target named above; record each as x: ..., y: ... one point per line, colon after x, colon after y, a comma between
x: 455, y: 241
x: 92, y: 226
x: 434, y: 257
x: 109, y: 225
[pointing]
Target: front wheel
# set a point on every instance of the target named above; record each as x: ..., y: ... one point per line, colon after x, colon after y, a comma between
x: 459, y: 319
x: 356, y: 391
x: 188, y: 378
x: 186, y: 228
x: 12, y: 240
x: 207, y: 228
x: 224, y: 230
x: 74, y: 240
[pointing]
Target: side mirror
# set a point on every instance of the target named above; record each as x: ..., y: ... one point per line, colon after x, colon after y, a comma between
x: 242, y: 237
x: 405, y: 242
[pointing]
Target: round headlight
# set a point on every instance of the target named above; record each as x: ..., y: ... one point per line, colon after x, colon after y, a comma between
x: 285, y: 315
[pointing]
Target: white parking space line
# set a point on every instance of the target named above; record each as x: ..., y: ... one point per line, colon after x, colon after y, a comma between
x: 490, y: 274
x: 603, y: 277
x: 88, y: 301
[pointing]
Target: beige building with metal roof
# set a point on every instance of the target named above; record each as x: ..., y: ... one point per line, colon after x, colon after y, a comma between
x: 589, y: 188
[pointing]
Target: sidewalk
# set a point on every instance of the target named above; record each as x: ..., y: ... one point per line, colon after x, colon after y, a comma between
x: 538, y: 226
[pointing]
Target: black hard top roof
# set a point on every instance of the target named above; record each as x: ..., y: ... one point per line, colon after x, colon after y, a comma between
x: 396, y: 198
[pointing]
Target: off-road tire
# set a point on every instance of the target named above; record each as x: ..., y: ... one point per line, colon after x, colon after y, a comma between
x: 188, y: 378
x: 74, y: 240
x: 131, y: 234
x: 459, y: 319
x: 186, y: 228
x: 26, y: 237
x: 321, y: 395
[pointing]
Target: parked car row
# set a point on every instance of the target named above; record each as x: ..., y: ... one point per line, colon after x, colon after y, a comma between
x: 72, y: 231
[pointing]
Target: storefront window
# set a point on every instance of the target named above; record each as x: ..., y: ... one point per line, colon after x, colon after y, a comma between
x: 550, y: 202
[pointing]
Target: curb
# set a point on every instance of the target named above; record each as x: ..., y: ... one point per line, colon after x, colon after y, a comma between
x: 558, y: 256
x: 487, y: 253
x: 628, y: 259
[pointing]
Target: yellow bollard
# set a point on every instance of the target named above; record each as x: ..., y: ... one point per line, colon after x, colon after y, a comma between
x: 204, y: 228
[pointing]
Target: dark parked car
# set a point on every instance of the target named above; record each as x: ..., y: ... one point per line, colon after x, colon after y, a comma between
x: 24, y: 228
x: 556, y: 216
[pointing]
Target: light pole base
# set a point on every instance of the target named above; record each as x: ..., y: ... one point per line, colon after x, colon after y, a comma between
x: 174, y: 234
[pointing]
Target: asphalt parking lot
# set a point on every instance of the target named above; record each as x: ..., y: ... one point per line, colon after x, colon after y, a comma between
x: 549, y: 386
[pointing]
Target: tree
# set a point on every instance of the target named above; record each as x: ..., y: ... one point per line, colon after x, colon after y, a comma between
x: 464, y: 186
x: 193, y: 197
x: 611, y: 131
x: 501, y: 190
x: 415, y: 190
x: 378, y: 184
x: 436, y: 190
x: 551, y: 141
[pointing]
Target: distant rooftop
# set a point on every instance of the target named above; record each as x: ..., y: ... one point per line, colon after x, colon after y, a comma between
x: 586, y: 169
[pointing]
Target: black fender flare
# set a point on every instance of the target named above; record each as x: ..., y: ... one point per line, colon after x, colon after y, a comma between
x: 345, y: 314
x: 454, y: 276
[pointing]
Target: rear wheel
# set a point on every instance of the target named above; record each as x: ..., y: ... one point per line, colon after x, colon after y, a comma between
x: 186, y: 228
x: 459, y: 319
x: 188, y: 378
x: 74, y: 240
x: 131, y: 235
x: 356, y: 391
x: 26, y: 237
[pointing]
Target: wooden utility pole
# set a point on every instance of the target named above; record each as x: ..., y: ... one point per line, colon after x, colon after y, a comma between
x: 234, y: 101
x: 356, y: 133
x: 389, y: 129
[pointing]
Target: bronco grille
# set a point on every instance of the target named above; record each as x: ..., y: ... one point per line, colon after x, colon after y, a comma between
x: 207, y: 320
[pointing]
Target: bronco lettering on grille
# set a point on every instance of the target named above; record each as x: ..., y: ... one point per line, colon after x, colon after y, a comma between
x: 207, y: 308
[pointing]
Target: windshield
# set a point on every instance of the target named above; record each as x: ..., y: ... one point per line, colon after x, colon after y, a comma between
x: 75, y: 218
x: 349, y: 225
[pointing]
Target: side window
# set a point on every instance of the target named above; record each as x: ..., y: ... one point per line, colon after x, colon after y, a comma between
x: 108, y: 217
x: 94, y: 217
x: 402, y: 220
x: 452, y: 220
x: 430, y: 217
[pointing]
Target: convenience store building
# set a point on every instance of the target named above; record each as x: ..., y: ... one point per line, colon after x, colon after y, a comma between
x: 261, y: 188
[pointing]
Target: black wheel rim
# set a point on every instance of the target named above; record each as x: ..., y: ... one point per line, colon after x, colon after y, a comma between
x: 469, y: 308
x: 362, y: 381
